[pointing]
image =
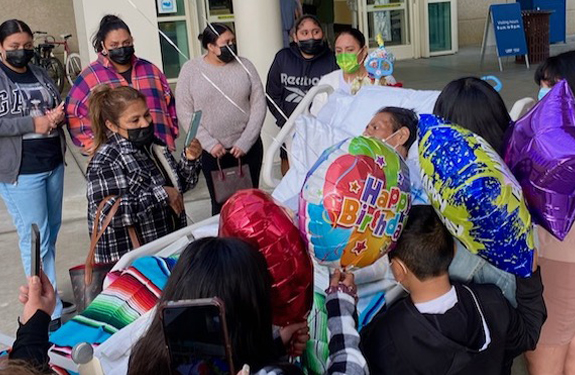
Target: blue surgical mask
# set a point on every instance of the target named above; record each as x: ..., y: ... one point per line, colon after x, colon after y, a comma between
x: 542, y: 92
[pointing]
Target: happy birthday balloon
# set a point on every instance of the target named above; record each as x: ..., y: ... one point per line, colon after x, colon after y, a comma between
x: 354, y: 203
x: 253, y: 215
x: 476, y: 195
x: 541, y: 154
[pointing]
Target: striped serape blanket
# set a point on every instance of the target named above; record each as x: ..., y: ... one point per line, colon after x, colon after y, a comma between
x: 135, y: 291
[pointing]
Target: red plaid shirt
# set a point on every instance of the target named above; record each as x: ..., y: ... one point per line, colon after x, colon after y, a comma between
x: 146, y: 78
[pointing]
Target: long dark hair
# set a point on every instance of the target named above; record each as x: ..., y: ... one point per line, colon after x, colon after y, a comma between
x: 13, y: 26
x: 108, y: 23
x: 472, y: 103
x: 208, y: 36
x: 235, y: 272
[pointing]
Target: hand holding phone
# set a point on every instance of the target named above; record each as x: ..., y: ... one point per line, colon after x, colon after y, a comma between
x: 37, y: 295
x: 197, y: 337
x: 194, y: 126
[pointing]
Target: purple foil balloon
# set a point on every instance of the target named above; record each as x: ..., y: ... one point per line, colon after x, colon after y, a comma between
x: 541, y: 155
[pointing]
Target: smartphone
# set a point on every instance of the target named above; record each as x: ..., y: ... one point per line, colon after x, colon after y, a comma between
x: 197, y: 337
x: 194, y: 126
x: 35, y: 251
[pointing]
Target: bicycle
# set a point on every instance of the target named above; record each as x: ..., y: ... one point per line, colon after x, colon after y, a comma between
x: 45, y: 58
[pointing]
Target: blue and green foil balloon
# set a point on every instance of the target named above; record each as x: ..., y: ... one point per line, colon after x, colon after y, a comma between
x: 476, y: 195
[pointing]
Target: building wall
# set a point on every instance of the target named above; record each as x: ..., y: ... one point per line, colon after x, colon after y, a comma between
x: 56, y: 19
x: 473, y: 13
x: 570, y: 17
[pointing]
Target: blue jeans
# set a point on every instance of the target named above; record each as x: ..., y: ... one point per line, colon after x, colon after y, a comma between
x: 37, y: 198
x: 467, y: 267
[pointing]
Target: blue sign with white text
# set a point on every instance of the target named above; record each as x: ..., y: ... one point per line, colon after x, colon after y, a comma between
x: 508, y: 27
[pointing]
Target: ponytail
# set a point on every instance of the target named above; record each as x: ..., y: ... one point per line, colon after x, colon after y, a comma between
x: 108, y: 23
x: 108, y: 104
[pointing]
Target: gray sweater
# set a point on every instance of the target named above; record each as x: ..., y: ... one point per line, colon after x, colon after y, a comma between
x: 221, y: 120
x: 14, y: 124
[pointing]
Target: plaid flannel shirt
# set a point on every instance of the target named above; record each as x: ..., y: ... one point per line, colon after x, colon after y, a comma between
x: 118, y: 168
x: 345, y: 358
x: 146, y: 78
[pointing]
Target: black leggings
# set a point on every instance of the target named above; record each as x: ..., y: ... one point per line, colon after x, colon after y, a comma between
x: 253, y: 158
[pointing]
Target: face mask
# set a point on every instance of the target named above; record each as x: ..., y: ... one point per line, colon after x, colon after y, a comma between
x: 311, y: 46
x: 397, y: 282
x: 542, y: 92
x: 226, y: 55
x: 122, y: 55
x: 386, y: 140
x: 348, y: 62
x: 18, y: 58
x: 141, y: 137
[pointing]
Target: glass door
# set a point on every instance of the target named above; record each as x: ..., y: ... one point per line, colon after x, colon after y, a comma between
x: 220, y: 11
x: 173, y: 22
x: 392, y: 19
x: 440, y: 28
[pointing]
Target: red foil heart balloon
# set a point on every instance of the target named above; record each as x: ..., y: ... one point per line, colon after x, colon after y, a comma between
x: 255, y: 217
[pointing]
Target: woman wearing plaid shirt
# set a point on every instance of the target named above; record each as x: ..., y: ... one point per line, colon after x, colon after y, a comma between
x: 125, y: 165
x: 117, y: 66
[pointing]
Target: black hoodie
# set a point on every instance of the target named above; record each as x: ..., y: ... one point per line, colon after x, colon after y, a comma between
x: 404, y: 341
x: 291, y: 76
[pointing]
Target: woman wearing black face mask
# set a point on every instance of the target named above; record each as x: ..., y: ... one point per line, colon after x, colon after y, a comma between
x: 130, y: 164
x: 296, y: 69
x: 118, y: 66
x: 232, y: 103
x: 32, y: 147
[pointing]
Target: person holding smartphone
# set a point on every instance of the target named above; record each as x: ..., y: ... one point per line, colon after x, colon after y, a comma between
x: 32, y: 342
x: 236, y: 273
x: 131, y: 165
x: 32, y: 147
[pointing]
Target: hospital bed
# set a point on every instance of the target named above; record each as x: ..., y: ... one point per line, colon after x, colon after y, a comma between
x: 305, y: 135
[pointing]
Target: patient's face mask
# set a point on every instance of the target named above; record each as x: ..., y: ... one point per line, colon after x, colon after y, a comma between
x: 373, y: 131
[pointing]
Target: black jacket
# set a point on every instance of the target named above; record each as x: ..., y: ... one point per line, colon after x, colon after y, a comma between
x: 404, y: 341
x: 32, y: 342
x: 291, y: 76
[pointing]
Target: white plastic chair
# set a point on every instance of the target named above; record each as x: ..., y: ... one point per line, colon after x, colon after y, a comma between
x: 521, y: 107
